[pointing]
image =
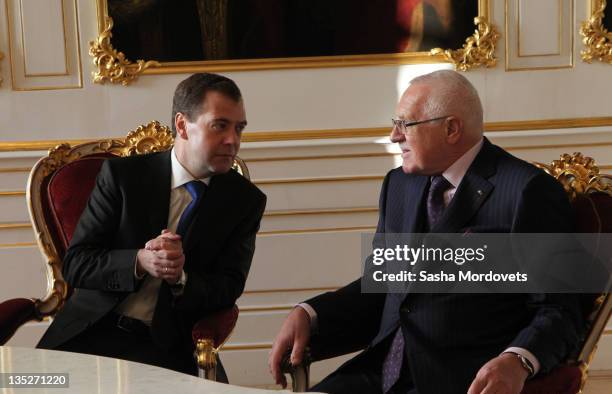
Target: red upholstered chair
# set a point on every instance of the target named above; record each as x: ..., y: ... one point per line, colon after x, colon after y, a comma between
x: 591, y: 196
x: 58, y: 188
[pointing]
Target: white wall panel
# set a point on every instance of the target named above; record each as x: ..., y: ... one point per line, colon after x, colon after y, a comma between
x: 44, y: 38
x: 323, y: 194
x: 539, y: 34
x: 299, y: 260
x: 14, y: 209
x: 325, y: 219
x: 13, y: 180
x: 539, y: 27
x: 16, y: 233
x: 254, y: 299
x: 24, y: 273
x: 44, y: 45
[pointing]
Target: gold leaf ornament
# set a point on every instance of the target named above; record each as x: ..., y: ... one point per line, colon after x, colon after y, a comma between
x: 111, y: 65
x: 578, y: 174
x: 478, y: 50
x: 596, y: 38
x: 149, y: 138
x: 57, y: 157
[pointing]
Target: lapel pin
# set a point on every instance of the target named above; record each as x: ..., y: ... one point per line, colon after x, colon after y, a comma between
x: 479, y: 193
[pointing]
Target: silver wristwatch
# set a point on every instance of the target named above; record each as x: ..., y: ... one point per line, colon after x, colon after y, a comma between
x: 526, y: 364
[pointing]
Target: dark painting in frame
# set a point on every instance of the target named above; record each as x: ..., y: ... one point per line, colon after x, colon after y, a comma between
x: 176, y: 36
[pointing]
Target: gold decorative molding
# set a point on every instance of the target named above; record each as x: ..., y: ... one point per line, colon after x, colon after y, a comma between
x: 349, y: 178
x: 320, y: 157
x: 13, y: 226
x: 112, y: 66
x: 149, y: 138
x: 42, y: 145
x: 596, y: 37
x: 478, y: 50
x: 58, y: 156
x: 252, y: 346
x: 14, y: 170
x: 17, y: 245
x: 317, y: 230
x: 294, y: 290
x: 331, y: 211
x: 578, y: 174
x: 12, y: 193
x: 269, y: 308
x: 266, y: 136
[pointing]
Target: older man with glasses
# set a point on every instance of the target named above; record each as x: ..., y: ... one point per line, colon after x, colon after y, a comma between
x: 452, y: 180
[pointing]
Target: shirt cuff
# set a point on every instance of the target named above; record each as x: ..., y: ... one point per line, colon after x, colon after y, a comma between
x: 312, y: 314
x: 528, y: 355
x: 178, y: 288
x: 139, y: 277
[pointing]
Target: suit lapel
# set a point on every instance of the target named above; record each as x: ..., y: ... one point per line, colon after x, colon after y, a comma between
x: 471, y: 193
x: 415, y: 196
x: 158, y: 201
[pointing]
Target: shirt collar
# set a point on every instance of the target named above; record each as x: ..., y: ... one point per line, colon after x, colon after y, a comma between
x: 455, y: 173
x: 180, y: 175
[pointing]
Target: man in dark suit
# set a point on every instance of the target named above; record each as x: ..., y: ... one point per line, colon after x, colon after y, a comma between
x: 451, y: 180
x: 165, y: 238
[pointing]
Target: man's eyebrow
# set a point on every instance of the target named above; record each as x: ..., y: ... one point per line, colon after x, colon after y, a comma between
x: 228, y: 120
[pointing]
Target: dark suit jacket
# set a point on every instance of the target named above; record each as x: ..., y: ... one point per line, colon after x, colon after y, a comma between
x: 129, y: 206
x: 450, y: 336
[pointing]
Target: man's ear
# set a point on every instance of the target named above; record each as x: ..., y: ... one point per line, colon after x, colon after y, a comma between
x: 454, y: 129
x: 180, y: 125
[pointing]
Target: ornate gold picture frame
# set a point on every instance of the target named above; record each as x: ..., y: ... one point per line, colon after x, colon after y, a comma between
x: 597, y: 37
x: 113, y: 66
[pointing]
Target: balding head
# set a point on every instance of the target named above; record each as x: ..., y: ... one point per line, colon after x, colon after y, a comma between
x: 444, y: 117
x: 452, y: 94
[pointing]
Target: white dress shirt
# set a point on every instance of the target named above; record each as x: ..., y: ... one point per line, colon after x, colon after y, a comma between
x: 454, y: 175
x: 141, y: 304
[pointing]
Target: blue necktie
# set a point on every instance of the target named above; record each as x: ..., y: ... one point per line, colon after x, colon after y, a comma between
x: 196, y: 190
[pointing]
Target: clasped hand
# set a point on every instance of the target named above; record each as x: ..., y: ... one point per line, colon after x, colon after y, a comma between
x: 162, y: 257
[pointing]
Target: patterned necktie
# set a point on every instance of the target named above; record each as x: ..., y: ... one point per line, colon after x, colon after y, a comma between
x: 395, y: 356
x: 435, y: 199
x: 393, y: 361
x: 196, y: 190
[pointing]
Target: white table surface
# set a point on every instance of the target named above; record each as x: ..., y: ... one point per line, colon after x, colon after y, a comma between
x: 94, y: 374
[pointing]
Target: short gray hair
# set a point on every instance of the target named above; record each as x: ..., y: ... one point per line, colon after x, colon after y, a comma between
x: 452, y: 94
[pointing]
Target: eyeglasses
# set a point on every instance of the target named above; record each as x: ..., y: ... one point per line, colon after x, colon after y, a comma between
x: 403, y: 124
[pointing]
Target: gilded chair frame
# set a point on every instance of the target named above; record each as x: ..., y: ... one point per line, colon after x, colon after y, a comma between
x: 149, y: 138
x: 579, y: 174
